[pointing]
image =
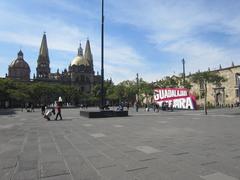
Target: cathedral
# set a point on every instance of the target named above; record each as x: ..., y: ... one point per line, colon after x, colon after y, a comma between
x: 80, y: 72
x: 19, y: 68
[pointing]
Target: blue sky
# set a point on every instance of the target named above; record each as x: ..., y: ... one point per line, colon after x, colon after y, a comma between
x: 141, y: 36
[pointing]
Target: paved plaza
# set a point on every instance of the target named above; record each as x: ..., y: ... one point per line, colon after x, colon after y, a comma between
x: 179, y: 145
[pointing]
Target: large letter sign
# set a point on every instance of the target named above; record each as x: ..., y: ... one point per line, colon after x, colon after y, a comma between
x: 180, y: 98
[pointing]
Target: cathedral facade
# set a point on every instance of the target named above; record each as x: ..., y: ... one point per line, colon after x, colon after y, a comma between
x: 80, y: 72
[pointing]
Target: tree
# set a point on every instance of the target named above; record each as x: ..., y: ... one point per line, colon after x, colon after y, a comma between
x: 167, y: 82
x: 129, y: 90
x: 5, y: 85
x: 172, y: 82
x: 205, y: 78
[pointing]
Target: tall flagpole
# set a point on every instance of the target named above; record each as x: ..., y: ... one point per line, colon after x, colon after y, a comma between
x: 102, y: 58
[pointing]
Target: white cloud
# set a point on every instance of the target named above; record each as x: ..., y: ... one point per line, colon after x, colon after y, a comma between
x: 200, y: 56
x: 174, y: 27
x: 76, y: 8
x: 171, y: 26
x: 120, y: 58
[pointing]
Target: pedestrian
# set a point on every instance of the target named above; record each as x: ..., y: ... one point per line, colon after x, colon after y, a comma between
x: 22, y: 107
x: 43, y: 108
x: 120, y: 107
x: 171, y: 106
x: 146, y: 107
x: 32, y: 108
x: 157, y: 107
x: 58, y: 111
x: 136, y: 106
x: 127, y: 105
x: 49, y: 113
x: 154, y: 107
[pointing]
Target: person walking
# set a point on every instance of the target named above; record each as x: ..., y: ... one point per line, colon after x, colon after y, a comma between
x: 136, y: 106
x: 171, y: 106
x: 58, y: 111
x: 127, y: 106
x: 32, y: 107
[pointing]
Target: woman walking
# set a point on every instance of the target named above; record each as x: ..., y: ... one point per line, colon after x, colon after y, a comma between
x: 58, y: 111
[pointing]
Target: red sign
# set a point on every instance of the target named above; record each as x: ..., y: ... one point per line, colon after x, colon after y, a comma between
x: 177, y: 97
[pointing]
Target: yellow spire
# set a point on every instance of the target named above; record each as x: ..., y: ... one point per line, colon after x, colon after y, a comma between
x: 88, y: 53
x: 44, y: 48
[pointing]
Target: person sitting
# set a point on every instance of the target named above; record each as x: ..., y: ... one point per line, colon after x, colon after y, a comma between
x: 120, y: 107
x: 49, y: 113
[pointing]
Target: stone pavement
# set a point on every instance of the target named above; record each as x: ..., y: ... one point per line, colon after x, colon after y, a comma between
x: 179, y: 145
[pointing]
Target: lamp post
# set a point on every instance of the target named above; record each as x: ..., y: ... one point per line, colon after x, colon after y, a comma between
x: 238, y: 93
x: 183, y: 62
x: 238, y: 82
x: 137, y: 88
x: 102, y: 58
x: 137, y: 101
x: 205, y: 97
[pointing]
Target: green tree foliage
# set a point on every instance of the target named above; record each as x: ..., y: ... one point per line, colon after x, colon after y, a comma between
x: 203, y: 78
x: 172, y: 82
x: 168, y: 82
x: 47, y: 93
x: 126, y: 91
x: 208, y: 77
x: 37, y: 93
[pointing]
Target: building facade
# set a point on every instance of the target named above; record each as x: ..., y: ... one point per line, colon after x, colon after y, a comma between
x: 19, y: 68
x: 225, y: 94
x: 80, y: 72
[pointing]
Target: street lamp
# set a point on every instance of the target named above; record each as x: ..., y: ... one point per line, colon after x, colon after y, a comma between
x: 137, y: 101
x: 102, y: 59
x: 183, y: 62
x: 205, y: 97
x: 238, y: 83
x: 137, y: 78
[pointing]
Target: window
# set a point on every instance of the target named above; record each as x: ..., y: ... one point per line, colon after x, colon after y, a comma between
x: 82, y: 78
x: 237, y: 76
x: 201, y: 85
x: 237, y: 95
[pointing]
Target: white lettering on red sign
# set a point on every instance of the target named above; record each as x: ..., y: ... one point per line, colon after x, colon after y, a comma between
x: 177, y: 97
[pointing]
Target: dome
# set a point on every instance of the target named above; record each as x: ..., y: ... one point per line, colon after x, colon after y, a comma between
x: 19, y: 62
x: 79, y: 60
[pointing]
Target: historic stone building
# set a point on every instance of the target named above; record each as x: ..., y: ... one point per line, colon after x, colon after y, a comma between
x: 81, y: 69
x: 19, y: 69
x: 80, y: 72
x: 225, y: 94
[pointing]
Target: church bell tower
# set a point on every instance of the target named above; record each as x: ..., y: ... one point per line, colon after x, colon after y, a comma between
x: 43, y: 69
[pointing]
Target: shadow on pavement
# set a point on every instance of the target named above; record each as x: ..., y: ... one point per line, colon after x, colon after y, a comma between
x: 7, y: 111
x: 60, y: 120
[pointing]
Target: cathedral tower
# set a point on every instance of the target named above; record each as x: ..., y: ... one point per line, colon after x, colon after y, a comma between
x: 43, y: 69
x: 88, y: 54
